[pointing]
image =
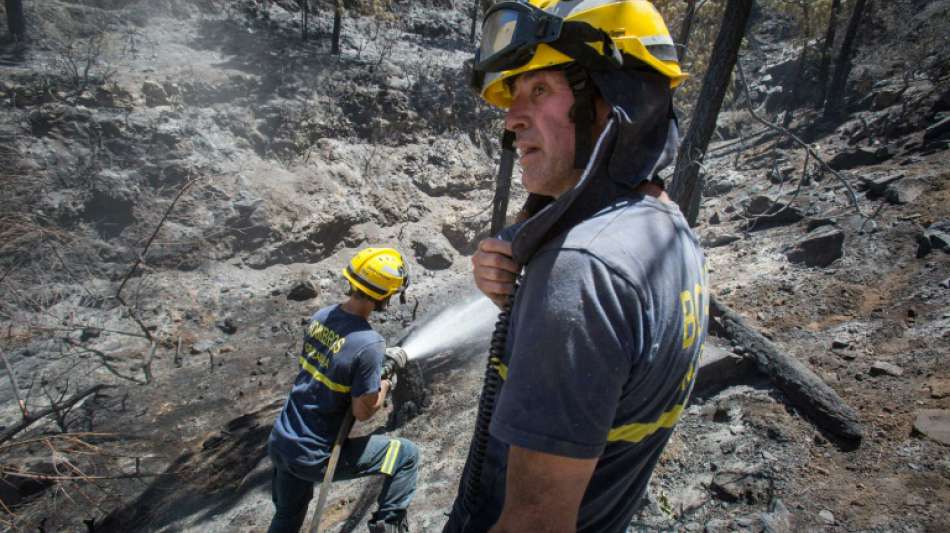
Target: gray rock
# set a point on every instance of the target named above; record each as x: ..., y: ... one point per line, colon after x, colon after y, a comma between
x: 718, y: 525
x: 906, y: 190
x: 201, y: 347
x: 432, y: 253
x: 778, y: 519
x: 819, y: 248
x: 827, y: 517
x: 885, y: 98
x: 713, y: 240
x: 766, y: 212
x: 155, y: 94
x: 840, y: 343
x: 934, y: 423
x: 858, y: 157
x: 714, y: 219
x: 876, y: 185
x: 938, y: 130
x: 302, y: 290
x: 719, y: 186
x: 227, y: 326
x: 936, y: 236
x: 740, y: 485
x: 881, y: 368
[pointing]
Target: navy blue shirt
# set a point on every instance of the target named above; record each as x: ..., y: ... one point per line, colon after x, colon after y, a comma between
x: 342, y: 358
x: 605, y: 335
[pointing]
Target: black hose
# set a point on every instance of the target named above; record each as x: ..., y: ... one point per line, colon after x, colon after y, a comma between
x: 486, y: 406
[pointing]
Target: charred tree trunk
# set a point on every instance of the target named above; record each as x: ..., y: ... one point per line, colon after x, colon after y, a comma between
x: 471, y: 36
x: 687, y: 186
x: 305, y: 15
x: 806, y: 391
x: 794, y: 97
x: 685, y: 29
x: 839, y: 81
x: 337, y: 24
x: 16, y: 22
x: 825, y: 62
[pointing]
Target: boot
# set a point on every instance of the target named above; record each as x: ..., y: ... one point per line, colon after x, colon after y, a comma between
x: 400, y: 525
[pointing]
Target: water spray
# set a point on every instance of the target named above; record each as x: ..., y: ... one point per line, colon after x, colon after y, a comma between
x: 464, y: 323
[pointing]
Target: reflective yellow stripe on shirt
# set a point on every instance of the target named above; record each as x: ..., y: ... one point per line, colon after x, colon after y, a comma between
x: 389, y: 462
x: 502, y: 368
x: 638, y: 431
x: 317, y: 375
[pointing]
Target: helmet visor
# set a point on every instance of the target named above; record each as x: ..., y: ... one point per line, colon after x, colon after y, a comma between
x: 510, y: 33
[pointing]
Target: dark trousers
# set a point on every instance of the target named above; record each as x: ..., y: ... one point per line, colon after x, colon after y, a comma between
x: 397, y: 459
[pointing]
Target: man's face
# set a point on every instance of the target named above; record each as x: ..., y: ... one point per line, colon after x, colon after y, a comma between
x: 539, y: 116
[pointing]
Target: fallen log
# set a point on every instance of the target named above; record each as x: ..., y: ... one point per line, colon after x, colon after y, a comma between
x: 813, y: 398
x: 28, y: 421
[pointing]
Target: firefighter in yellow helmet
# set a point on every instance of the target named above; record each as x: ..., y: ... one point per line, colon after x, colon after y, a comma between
x: 603, y: 285
x: 340, y: 370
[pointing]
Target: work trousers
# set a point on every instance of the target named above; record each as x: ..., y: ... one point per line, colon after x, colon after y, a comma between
x: 397, y: 459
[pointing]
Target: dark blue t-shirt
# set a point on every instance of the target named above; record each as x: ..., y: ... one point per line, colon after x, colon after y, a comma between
x: 341, y: 359
x: 605, y: 334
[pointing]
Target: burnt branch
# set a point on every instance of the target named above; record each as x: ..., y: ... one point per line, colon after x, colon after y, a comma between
x: 824, y: 165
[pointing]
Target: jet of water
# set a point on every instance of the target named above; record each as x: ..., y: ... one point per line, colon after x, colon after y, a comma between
x: 470, y: 320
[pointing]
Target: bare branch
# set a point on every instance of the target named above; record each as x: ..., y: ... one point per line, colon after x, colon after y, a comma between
x: 8, y: 433
x: 851, y: 195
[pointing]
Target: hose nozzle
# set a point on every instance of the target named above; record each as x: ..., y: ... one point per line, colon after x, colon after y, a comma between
x: 396, y: 359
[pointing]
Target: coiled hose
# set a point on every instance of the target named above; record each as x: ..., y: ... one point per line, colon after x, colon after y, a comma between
x: 486, y: 406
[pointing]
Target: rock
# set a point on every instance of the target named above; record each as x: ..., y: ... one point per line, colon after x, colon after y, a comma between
x: 302, y: 290
x: 714, y: 219
x: 432, y: 253
x: 227, y: 325
x: 766, y: 212
x: 201, y: 347
x: 89, y: 333
x: 906, y: 191
x: 939, y: 387
x: 778, y: 519
x: 885, y: 98
x: 827, y: 517
x: 740, y: 485
x: 719, y: 186
x: 936, y: 236
x: 934, y: 423
x: 876, y: 185
x: 819, y: 248
x: 718, y: 525
x: 713, y: 240
x: 858, y: 157
x: 154, y: 94
x: 938, y: 130
x: 719, y: 369
x: 880, y: 368
x: 840, y: 344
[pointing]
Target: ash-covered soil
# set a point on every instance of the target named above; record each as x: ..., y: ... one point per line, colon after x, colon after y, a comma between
x: 287, y: 159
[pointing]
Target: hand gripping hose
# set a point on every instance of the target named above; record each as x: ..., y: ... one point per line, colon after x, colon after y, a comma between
x: 486, y: 406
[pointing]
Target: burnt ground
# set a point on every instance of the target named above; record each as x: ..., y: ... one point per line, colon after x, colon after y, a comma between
x: 299, y: 158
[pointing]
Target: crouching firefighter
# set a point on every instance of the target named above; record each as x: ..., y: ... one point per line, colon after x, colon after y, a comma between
x: 344, y: 368
x: 603, y: 286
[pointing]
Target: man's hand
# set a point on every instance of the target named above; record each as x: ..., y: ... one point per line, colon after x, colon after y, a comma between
x: 494, y: 270
x: 543, y: 492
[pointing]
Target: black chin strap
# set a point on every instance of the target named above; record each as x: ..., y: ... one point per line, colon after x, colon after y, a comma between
x: 583, y: 113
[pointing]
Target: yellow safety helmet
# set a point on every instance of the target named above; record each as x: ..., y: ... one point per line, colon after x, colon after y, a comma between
x: 521, y: 36
x: 377, y: 272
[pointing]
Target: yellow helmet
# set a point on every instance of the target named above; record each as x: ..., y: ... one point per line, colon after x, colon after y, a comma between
x: 521, y: 36
x: 377, y: 272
